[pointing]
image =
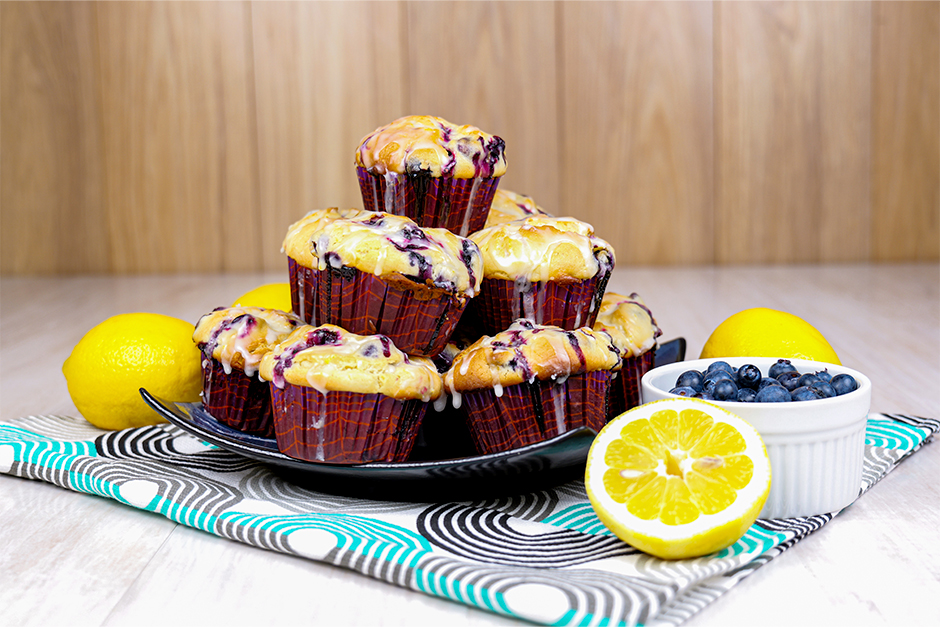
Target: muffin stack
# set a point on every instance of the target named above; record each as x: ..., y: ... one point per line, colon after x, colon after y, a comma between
x: 441, y: 288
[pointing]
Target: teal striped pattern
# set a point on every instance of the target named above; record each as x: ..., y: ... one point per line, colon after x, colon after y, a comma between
x: 353, y: 533
x: 894, y: 435
x: 502, y: 556
x: 580, y: 517
x: 28, y: 445
x: 755, y: 541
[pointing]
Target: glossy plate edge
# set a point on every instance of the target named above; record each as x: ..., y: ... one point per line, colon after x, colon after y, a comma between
x: 525, y: 469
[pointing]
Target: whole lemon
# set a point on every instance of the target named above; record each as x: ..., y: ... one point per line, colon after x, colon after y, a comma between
x: 762, y: 332
x: 270, y: 296
x: 127, y: 352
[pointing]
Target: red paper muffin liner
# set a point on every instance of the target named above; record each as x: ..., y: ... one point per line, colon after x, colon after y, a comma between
x: 625, y: 388
x: 365, y: 304
x: 566, y: 305
x: 344, y: 427
x: 237, y: 400
x: 458, y: 205
x: 532, y: 412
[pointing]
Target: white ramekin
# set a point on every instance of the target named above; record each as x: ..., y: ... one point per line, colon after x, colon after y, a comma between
x: 816, y: 448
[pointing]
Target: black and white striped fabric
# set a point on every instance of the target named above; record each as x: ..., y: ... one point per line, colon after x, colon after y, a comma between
x: 544, y: 557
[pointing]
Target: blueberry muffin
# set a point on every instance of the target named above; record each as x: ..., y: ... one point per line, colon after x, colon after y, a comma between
x: 232, y: 341
x: 633, y: 330
x: 344, y: 398
x: 550, y: 270
x: 532, y: 382
x: 437, y: 173
x: 377, y: 273
x: 508, y: 206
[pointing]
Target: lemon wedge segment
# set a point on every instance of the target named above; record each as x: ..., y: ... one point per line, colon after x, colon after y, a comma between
x: 678, y: 478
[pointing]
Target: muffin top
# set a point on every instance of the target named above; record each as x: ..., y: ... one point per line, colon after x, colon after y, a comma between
x: 386, y: 245
x: 423, y: 143
x: 238, y: 337
x: 541, y: 248
x: 527, y: 351
x: 508, y: 206
x: 629, y: 322
x: 330, y: 359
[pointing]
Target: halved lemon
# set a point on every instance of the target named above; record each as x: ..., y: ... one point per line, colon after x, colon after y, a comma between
x: 678, y: 478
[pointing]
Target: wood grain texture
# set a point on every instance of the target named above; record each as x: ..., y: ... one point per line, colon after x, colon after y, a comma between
x: 169, y: 137
x: 906, y: 131
x: 173, y: 85
x: 792, y: 138
x: 637, y: 158
x: 322, y: 83
x: 65, y: 555
x: 493, y: 65
x: 51, y: 163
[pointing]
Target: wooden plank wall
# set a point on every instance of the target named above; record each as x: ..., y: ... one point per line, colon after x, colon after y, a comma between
x: 177, y: 137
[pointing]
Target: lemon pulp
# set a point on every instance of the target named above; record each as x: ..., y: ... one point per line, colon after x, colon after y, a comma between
x: 678, y: 478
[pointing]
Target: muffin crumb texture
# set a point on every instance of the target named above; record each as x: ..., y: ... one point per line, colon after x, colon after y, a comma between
x: 541, y: 248
x: 329, y: 358
x: 238, y: 337
x: 528, y: 351
x: 431, y: 145
x: 629, y: 322
x: 385, y: 245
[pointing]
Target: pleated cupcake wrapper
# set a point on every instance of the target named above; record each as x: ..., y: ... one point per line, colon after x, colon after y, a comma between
x: 566, y: 305
x: 458, y: 205
x: 237, y: 400
x: 532, y: 412
x: 625, y: 388
x: 365, y: 304
x: 344, y: 427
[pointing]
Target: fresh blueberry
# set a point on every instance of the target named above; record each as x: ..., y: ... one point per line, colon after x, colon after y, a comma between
x: 782, y: 365
x: 725, y: 390
x: 719, y: 365
x: 824, y: 376
x: 748, y: 376
x: 765, y: 382
x: 773, y: 394
x: 803, y: 394
x: 683, y: 390
x: 790, y: 380
x: 843, y: 384
x: 807, y: 379
x: 747, y: 395
x: 706, y: 396
x: 822, y: 389
x: 714, y: 375
x: 690, y: 378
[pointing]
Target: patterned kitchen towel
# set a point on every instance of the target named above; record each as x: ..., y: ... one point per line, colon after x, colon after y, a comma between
x: 544, y: 557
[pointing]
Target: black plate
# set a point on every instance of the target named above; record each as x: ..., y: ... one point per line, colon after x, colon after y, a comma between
x: 534, y: 467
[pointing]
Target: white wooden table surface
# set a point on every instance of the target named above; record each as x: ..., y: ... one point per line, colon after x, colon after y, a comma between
x: 70, y: 558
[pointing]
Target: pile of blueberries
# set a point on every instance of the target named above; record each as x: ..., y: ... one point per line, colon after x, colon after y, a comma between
x: 783, y: 383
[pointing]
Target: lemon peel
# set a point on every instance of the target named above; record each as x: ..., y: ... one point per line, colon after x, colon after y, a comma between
x: 269, y: 296
x: 124, y: 353
x: 763, y: 332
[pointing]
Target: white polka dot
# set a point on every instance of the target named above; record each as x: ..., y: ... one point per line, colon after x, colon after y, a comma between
x: 530, y: 527
x: 312, y: 543
x: 254, y: 506
x: 6, y: 458
x: 189, y: 446
x: 139, y: 493
x: 537, y: 602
